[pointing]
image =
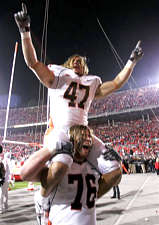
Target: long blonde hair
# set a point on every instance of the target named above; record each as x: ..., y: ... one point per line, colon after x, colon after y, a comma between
x: 77, y: 134
x: 69, y: 63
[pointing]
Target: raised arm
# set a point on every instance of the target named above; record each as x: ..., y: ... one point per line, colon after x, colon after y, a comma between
x: 42, y: 72
x: 108, y: 87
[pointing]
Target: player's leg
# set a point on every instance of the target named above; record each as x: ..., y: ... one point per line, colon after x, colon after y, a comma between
x: 6, y: 185
x: 51, y: 175
x: 118, y: 191
x: 114, y: 192
x: 1, y: 200
x: 42, y: 207
x: 56, y: 142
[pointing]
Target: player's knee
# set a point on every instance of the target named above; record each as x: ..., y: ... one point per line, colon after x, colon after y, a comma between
x: 64, y: 148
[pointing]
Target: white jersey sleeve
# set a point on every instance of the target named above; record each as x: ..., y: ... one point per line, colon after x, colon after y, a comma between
x: 97, y: 159
x: 57, y: 70
x: 107, y: 166
x: 64, y: 158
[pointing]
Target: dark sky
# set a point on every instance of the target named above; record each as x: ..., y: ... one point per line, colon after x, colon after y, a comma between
x: 73, y: 28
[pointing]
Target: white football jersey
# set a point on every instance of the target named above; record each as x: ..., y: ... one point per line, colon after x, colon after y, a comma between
x: 74, y: 199
x: 71, y: 96
x: 70, y: 100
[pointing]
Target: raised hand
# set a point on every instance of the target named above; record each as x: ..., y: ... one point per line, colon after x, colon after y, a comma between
x: 137, y: 53
x: 22, y: 19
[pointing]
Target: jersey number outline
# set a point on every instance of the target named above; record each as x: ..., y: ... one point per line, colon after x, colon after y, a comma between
x: 71, y: 94
x: 76, y: 204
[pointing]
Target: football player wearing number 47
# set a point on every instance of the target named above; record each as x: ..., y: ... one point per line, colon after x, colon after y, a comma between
x: 71, y: 92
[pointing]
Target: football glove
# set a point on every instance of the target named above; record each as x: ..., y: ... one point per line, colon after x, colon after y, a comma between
x: 111, y: 154
x: 137, y: 53
x: 22, y: 19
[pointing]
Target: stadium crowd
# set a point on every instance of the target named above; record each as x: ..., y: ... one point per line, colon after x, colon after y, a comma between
x: 129, y: 100
x: 145, y: 97
x: 137, y: 141
x: 139, y: 138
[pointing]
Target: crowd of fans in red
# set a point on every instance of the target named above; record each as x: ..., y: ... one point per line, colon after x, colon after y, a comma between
x: 136, y: 138
x: 145, y: 97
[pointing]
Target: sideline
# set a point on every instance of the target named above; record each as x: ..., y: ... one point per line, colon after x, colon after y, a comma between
x: 131, y: 201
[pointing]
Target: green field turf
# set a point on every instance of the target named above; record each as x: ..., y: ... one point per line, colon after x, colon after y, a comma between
x: 21, y: 184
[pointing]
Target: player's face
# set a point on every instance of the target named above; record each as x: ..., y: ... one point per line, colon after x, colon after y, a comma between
x: 77, y: 66
x: 82, y: 154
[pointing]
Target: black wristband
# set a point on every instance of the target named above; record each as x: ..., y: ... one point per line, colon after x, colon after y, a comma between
x: 24, y: 29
